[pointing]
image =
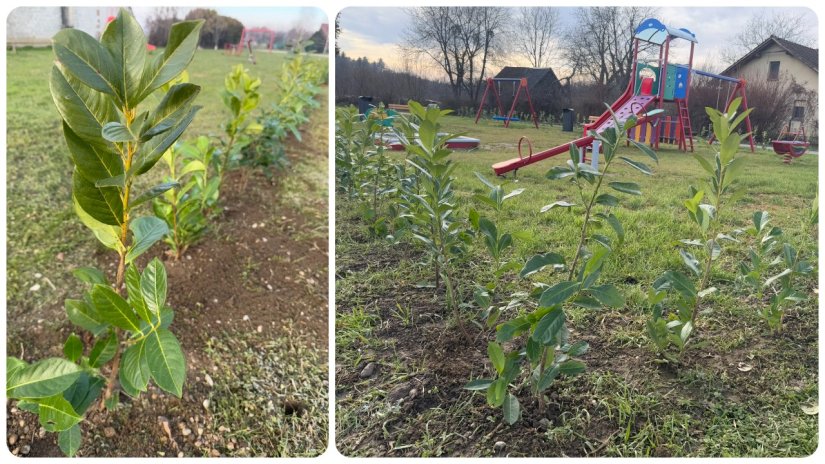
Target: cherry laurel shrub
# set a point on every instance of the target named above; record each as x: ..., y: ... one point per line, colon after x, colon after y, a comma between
x: 115, y: 133
x: 676, y: 297
x: 539, y: 336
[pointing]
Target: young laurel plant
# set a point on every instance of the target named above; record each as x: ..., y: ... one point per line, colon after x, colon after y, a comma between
x: 674, y: 289
x: 548, y: 351
x: 241, y: 97
x: 433, y: 216
x: 98, y: 88
x: 181, y: 208
x: 496, y: 242
x: 763, y: 256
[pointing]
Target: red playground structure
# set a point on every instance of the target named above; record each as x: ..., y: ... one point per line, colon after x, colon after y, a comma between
x: 260, y: 35
x: 493, y: 89
x: 791, y: 144
x: 651, y: 85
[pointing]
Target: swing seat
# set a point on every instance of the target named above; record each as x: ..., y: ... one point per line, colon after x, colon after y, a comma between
x: 504, y: 118
x: 792, y: 148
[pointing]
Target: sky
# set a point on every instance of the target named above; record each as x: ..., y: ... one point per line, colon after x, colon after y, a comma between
x: 375, y: 32
x: 278, y: 18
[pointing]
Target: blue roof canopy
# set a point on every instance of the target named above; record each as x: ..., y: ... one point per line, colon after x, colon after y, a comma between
x: 652, y: 30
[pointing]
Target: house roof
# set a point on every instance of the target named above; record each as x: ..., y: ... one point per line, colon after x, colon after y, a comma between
x: 534, y: 76
x: 808, y: 56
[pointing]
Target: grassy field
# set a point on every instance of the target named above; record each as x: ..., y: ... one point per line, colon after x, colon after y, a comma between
x: 254, y: 409
x: 627, y: 403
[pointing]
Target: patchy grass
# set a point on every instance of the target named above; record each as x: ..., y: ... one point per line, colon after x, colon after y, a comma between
x: 628, y: 403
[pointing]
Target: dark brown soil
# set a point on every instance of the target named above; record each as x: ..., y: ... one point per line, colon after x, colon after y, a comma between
x: 257, y: 273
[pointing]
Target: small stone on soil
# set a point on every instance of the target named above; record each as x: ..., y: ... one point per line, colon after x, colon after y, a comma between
x: 368, y: 371
x: 209, y: 380
x: 215, y: 453
x: 260, y: 328
x: 34, y: 288
x: 109, y: 432
x: 186, y: 432
x: 245, y: 317
x: 205, y: 404
x: 25, y: 450
x: 12, y: 439
x: 499, y: 446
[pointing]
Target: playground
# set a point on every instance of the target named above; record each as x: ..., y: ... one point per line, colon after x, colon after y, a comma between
x: 402, y: 364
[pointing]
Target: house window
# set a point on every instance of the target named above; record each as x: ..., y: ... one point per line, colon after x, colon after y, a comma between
x: 773, y: 71
x: 799, y: 110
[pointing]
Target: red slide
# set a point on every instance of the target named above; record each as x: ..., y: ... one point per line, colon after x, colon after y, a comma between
x: 626, y: 106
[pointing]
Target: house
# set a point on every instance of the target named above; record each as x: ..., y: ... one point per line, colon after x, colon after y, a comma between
x: 778, y: 59
x: 543, y: 84
x: 35, y: 26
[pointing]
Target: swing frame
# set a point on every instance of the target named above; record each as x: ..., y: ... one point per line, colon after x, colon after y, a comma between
x: 491, y: 86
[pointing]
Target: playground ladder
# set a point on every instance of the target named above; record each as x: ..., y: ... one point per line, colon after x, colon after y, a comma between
x: 687, y: 130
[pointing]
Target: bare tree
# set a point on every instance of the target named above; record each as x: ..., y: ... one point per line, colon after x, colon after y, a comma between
x: 534, y: 32
x: 462, y: 41
x: 786, y: 25
x: 599, y: 43
x: 160, y: 23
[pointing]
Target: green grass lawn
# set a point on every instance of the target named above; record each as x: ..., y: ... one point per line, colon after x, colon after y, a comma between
x: 627, y: 403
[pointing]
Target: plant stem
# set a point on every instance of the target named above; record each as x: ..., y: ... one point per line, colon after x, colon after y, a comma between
x: 121, y: 266
x: 706, y: 275
x: 225, y: 161
x: 586, y: 223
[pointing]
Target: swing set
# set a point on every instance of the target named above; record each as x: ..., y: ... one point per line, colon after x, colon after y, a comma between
x: 738, y: 90
x: 494, y: 89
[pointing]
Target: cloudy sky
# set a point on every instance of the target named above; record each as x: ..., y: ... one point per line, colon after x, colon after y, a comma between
x: 280, y: 18
x: 375, y: 32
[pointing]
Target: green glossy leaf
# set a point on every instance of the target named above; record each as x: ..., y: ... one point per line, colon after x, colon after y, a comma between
x: 681, y: 284
x: 93, y: 161
x: 117, y: 181
x: 126, y: 43
x: 547, y: 377
x: 69, y: 440
x: 89, y: 275
x: 478, y: 384
x: 641, y: 167
x: 84, y: 316
x: 134, y: 369
x: 73, y: 348
x: 166, y: 361
x: 548, y: 328
x: 103, y: 205
x: 626, y: 187
x: 13, y: 365
x: 103, y: 351
x: 571, y: 367
x: 691, y: 262
x: 42, y: 379
x: 86, y: 59
x: 151, y: 151
x: 614, y: 223
x: 558, y: 293
x: 83, y: 392
x: 174, y: 107
x: 56, y: 414
x: 538, y: 262
x: 108, y: 235
x: 496, y: 355
x: 511, y: 409
x: 646, y: 150
x: 117, y: 132
x: 146, y: 230
x: 153, y: 192
x: 134, y: 295
x: 705, y: 164
x: 607, y: 199
x: 180, y: 48
x: 114, y: 309
x: 578, y: 349
x: 557, y: 204
x: 83, y: 111
x: 153, y: 286
x: 608, y: 295
x: 496, y: 392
